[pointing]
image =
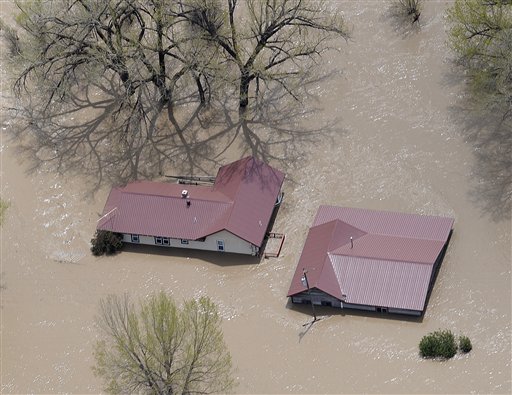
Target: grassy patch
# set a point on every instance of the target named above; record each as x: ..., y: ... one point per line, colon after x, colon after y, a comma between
x: 3, y: 208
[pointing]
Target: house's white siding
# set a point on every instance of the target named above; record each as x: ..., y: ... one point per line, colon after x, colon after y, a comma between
x: 232, y: 243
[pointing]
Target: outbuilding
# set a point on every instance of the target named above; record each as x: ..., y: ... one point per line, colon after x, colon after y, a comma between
x: 232, y: 215
x: 370, y: 260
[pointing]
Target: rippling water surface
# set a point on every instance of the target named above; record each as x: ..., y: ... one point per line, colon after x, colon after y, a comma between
x: 396, y: 146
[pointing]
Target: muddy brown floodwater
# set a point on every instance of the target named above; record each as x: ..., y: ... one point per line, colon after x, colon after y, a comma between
x: 397, y: 146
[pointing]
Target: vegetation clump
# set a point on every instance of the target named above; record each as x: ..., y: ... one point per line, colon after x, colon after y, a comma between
x: 407, y: 9
x: 480, y: 35
x: 3, y: 206
x: 438, y: 344
x: 105, y: 242
x: 465, y: 344
x: 442, y: 344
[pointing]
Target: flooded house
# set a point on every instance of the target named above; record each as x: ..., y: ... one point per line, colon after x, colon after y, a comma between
x: 370, y: 260
x: 232, y: 214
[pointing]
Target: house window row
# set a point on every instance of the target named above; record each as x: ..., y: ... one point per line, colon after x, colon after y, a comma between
x: 166, y: 241
x: 162, y: 241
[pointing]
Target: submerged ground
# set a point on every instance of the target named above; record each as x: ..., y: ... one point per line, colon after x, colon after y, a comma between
x: 399, y: 144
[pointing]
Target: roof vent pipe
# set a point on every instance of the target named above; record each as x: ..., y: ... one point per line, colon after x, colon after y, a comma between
x: 351, y: 242
x: 184, y: 193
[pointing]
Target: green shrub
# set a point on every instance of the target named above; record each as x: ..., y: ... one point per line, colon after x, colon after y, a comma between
x: 106, y: 242
x: 438, y: 344
x: 465, y: 344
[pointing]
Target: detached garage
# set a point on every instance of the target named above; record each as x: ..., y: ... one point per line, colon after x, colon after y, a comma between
x: 371, y: 260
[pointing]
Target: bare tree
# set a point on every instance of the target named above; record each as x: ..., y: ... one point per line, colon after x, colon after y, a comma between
x: 95, y: 77
x: 160, y: 348
x: 406, y: 10
x: 118, y: 86
x: 269, y: 42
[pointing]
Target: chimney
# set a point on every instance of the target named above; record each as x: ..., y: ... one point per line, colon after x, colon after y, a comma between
x: 188, y: 203
x: 184, y: 193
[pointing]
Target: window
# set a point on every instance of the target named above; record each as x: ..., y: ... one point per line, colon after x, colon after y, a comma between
x: 166, y: 241
x: 184, y: 241
x: 135, y: 239
x: 220, y: 245
x: 158, y: 240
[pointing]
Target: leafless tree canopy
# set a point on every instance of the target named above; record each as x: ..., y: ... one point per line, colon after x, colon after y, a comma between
x: 131, y: 84
x: 269, y: 42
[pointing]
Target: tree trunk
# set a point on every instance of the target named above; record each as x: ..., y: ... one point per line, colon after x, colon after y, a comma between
x: 245, y: 81
x: 200, y: 89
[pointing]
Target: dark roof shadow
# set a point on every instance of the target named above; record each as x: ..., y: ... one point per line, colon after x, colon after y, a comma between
x: 325, y: 311
x: 215, y: 257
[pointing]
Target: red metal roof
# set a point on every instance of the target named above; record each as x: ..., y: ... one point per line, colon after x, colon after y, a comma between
x: 389, y: 262
x: 241, y: 201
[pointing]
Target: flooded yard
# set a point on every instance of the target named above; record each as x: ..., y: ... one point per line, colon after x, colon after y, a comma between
x: 398, y: 144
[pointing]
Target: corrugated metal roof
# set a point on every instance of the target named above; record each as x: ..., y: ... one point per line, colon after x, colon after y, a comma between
x: 375, y: 282
x: 253, y: 186
x: 389, y: 263
x: 321, y: 239
x: 165, y: 216
x: 388, y: 223
x: 392, y: 248
x: 241, y: 201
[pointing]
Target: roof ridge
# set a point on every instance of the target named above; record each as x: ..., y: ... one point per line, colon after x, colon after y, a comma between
x: 379, y: 259
x: 403, y: 237
x: 229, y: 201
x: 233, y: 200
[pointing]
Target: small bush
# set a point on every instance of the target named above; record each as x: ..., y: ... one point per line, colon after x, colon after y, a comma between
x: 438, y: 344
x: 407, y: 9
x: 106, y: 242
x: 465, y: 344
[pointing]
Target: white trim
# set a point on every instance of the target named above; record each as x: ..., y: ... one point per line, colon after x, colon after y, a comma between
x: 103, y: 216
